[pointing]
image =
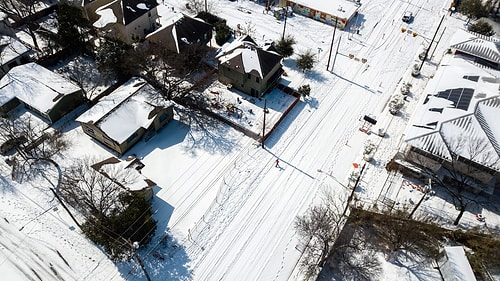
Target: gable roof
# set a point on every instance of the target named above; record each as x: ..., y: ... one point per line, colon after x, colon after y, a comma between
x: 244, y: 56
x: 123, y: 11
x: 36, y: 86
x: 125, y: 110
x: 457, y: 115
x: 10, y: 49
x: 182, y: 31
x: 476, y: 45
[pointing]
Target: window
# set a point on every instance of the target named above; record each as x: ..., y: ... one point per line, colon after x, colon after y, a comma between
x: 257, y: 79
x: 248, y: 76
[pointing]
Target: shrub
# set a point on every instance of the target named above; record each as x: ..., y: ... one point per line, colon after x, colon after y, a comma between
x: 222, y: 33
x: 304, y: 90
x: 284, y: 46
x: 482, y: 27
x: 305, y: 61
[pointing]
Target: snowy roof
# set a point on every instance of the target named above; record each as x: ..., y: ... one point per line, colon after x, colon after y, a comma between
x: 458, y: 113
x: 123, y: 111
x: 244, y: 56
x: 35, y: 85
x: 106, y: 16
x: 180, y: 30
x: 338, y: 8
x: 477, y: 45
x: 135, y: 180
x: 458, y: 267
x: 10, y: 48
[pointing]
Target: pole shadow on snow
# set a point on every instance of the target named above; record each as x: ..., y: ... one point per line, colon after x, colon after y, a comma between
x: 356, y: 84
x: 283, y: 163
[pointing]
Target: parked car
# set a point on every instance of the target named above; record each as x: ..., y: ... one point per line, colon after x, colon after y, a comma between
x: 407, y: 17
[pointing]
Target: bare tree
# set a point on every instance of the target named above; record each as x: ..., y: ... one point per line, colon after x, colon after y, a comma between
x: 353, y: 256
x: 95, y: 192
x: 86, y: 75
x: 318, y: 229
x: 38, y: 141
x: 467, y: 168
x: 197, y: 6
x: 22, y: 13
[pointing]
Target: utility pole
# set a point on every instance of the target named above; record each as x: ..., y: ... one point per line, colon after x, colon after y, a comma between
x: 134, y: 247
x: 64, y: 206
x: 206, y: 7
x: 284, y: 26
x: 433, y: 37
x: 353, y: 190
x: 264, y: 125
x: 331, y: 45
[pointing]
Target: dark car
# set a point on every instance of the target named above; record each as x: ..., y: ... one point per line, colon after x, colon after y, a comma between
x: 407, y: 17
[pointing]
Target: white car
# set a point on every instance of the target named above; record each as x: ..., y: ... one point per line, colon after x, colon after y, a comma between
x: 407, y: 17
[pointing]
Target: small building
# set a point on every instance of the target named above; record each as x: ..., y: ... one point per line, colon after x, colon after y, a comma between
x: 454, y: 265
x: 249, y: 68
x: 42, y: 91
x: 326, y: 11
x: 122, y: 118
x: 455, y: 127
x: 183, y: 32
x: 125, y: 20
x: 12, y: 53
x: 136, y: 181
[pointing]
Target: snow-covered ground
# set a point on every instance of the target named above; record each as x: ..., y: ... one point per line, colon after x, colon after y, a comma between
x: 224, y: 211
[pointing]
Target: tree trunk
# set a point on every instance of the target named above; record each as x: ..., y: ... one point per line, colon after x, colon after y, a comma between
x: 462, y: 211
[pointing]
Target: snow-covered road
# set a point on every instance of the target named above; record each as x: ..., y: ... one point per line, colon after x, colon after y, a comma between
x: 249, y: 234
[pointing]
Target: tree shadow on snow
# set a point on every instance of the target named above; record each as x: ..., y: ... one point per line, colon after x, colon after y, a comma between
x: 207, y: 133
x: 164, y: 259
x: 414, y: 267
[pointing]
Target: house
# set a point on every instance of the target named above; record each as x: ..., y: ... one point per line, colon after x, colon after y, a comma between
x: 482, y: 49
x: 12, y: 53
x: 184, y: 31
x: 326, y: 11
x: 125, y: 20
x: 454, y: 265
x: 455, y: 127
x: 123, y: 117
x: 42, y: 91
x: 136, y: 181
x: 249, y: 68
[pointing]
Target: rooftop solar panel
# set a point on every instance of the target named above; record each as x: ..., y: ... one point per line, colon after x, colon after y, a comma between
x: 460, y: 97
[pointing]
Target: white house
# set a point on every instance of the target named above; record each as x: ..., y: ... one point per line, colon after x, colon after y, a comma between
x: 456, y: 122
